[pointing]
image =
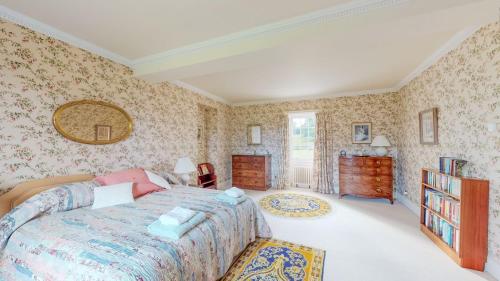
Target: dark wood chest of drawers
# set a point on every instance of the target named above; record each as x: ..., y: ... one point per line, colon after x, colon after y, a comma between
x: 252, y: 171
x: 366, y: 176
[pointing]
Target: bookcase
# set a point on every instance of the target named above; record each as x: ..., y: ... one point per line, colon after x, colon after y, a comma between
x: 454, y: 215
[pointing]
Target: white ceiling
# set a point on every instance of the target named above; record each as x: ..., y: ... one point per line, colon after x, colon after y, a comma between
x: 343, y: 64
x: 136, y: 29
x: 250, y: 51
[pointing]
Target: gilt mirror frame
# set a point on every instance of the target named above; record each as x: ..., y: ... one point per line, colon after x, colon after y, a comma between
x: 59, y: 110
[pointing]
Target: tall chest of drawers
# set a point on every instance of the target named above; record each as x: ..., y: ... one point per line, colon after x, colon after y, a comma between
x: 366, y: 176
x: 252, y: 171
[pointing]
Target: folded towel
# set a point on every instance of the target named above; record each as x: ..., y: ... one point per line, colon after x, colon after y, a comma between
x: 175, y: 232
x: 177, y: 216
x: 222, y: 197
x: 234, y: 192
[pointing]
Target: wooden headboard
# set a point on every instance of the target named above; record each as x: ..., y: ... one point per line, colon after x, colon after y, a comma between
x: 26, y: 190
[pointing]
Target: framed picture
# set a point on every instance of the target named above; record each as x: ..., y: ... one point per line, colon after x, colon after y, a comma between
x: 254, y: 134
x: 361, y: 132
x: 428, y: 126
x: 204, y: 169
x: 102, y: 132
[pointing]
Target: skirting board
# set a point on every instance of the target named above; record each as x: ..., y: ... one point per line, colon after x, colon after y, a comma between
x: 408, y: 204
x: 492, y: 267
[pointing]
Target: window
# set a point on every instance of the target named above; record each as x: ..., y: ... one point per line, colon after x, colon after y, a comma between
x: 303, y: 133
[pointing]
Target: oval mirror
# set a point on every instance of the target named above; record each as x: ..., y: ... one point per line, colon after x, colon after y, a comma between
x: 92, y: 122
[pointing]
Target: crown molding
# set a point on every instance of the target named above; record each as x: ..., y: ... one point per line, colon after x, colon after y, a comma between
x: 23, y: 20
x: 199, y: 91
x: 442, y: 51
x: 352, y: 8
x: 327, y: 96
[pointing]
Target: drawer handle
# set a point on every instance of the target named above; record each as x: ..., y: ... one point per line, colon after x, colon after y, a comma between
x: 378, y: 179
x: 378, y: 162
x: 378, y: 170
x: 378, y: 190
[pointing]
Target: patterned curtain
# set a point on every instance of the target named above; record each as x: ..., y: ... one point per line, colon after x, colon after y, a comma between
x: 323, y: 154
x: 283, y: 181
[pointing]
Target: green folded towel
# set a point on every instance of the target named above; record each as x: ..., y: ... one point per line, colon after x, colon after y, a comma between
x: 222, y: 197
x: 175, y: 231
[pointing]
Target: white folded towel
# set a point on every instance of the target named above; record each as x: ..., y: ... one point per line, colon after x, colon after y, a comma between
x: 177, y: 216
x: 234, y: 192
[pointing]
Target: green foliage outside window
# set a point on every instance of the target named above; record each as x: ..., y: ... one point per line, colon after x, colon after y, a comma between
x: 302, y: 139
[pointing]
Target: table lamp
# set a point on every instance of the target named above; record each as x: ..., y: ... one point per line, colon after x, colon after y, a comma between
x: 381, y: 142
x: 183, y: 168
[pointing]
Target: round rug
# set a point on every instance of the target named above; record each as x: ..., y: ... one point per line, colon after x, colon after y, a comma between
x: 294, y: 205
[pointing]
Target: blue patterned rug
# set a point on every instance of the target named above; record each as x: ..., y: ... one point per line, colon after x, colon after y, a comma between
x: 275, y: 260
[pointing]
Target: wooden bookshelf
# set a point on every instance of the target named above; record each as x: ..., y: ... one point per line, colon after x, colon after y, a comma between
x: 473, y: 202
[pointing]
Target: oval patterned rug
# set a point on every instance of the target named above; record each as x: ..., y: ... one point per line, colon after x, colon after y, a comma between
x: 295, y: 205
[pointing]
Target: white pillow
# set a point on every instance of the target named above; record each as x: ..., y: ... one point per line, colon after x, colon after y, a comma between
x: 158, y: 180
x: 110, y: 195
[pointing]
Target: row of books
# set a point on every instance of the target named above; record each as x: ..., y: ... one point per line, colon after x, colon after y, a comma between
x: 445, y: 183
x: 451, y: 166
x: 446, y: 206
x: 443, y: 229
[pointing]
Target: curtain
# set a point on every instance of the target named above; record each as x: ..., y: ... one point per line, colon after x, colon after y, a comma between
x: 283, y: 168
x: 323, y: 154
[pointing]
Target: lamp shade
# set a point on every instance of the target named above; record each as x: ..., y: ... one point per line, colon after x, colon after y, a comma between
x: 380, y: 141
x: 184, y: 166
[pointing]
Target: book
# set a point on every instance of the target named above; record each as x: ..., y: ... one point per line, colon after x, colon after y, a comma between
x: 451, y: 166
x: 446, y: 206
x: 448, y: 234
x: 449, y: 184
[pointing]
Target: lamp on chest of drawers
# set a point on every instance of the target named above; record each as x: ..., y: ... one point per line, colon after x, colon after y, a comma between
x: 184, y: 167
x: 381, y: 142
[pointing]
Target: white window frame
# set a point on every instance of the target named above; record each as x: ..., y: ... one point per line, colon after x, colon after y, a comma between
x: 301, y: 114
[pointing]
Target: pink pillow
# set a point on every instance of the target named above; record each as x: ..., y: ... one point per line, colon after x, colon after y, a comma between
x: 142, y: 185
x: 140, y: 189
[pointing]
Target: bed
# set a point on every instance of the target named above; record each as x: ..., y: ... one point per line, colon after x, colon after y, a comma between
x: 55, y: 235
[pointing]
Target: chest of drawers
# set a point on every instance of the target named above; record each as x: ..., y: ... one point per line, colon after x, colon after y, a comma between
x: 252, y: 171
x: 366, y: 176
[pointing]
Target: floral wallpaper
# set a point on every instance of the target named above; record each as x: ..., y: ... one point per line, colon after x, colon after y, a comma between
x: 465, y: 87
x: 202, y: 135
x: 381, y: 110
x: 38, y: 74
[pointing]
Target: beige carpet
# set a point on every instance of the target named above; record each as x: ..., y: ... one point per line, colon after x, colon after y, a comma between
x: 369, y: 240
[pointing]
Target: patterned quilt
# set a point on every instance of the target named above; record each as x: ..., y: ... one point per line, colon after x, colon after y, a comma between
x: 56, y: 236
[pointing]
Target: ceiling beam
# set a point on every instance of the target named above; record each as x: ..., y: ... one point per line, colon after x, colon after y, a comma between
x: 157, y: 67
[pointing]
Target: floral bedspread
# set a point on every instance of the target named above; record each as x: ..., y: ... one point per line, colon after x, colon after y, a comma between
x: 56, y: 236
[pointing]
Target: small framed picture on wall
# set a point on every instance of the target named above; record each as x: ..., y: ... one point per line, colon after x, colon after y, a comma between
x: 254, y: 134
x: 361, y: 132
x: 428, y: 126
x: 102, y: 133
